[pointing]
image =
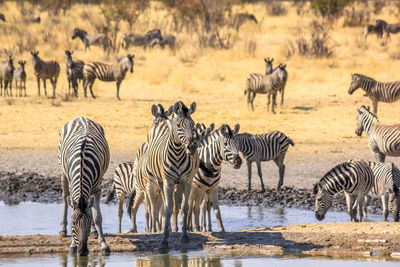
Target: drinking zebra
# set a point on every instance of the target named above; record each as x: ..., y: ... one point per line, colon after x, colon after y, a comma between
x: 127, y: 181
x: 264, y: 147
x: 45, y: 70
x: 173, y: 160
x: 107, y: 73
x: 354, y: 177
x: 89, y: 40
x: 83, y: 157
x: 386, y: 187
x: 268, y: 84
x: 388, y: 92
x: 213, y: 150
x: 20, y: 78
x: 74, y: 72
x: 6, y: 75
x: 383, y: 140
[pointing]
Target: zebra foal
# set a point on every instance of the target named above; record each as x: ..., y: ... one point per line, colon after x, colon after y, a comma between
x: 264, y: 147
x: 45, y: 70
x: 83, y: 157
x: 383, y: 140
x: 387, y: 92
x: 20, y: 78
x: 354, y: 177
x: 107, y: 73
x: 74, y: 70
x: 6, y: 76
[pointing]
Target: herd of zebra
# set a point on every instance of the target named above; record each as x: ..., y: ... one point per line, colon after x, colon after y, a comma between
x: 380, y: 28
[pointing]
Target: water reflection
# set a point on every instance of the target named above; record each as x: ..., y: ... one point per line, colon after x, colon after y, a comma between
x: 178, y: 260
x: 91, y: 260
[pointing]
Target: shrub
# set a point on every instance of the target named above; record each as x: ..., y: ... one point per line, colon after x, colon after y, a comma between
x: 331, y: 9
x: 355, y: 17
x: 275, y: 8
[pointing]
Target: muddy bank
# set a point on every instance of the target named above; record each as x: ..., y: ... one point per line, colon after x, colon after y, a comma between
x: 28, y: 186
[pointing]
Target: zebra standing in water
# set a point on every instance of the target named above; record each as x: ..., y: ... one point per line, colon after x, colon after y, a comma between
x: 74, y: 72
x: 383, y: 140
x: 127, y: 181
x: 268, y: 84
x: 264, y: 147
x: 353, y: 177
x: 107, y: 73
x: 213, y: 150
x: 376, y: 91
x: 83, y: 157
x: 45, y: 70
x: 386, y: 187
x: 173, y: 160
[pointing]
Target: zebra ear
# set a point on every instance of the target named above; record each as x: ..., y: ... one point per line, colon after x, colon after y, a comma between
x: 192, y: 107
x: 154, y: 110
x: 178, y: 108
x: 236, y: 129
x: 223, y: 129
x: 169, y: 111
x: 315, y: 189
x: 358, y: 110
x: 266, y: 61
x: 272, y: 60
x: 211, y: 127
x: 91, y: 201
x: 160, y: 109
x: 367, y: 108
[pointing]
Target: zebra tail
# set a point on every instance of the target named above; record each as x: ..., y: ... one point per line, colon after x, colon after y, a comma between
x: 130, y: 203
x: 290, y: 141
x: 111, y: 194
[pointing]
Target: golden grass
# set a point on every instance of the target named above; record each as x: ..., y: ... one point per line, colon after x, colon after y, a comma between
x: 212, y: 78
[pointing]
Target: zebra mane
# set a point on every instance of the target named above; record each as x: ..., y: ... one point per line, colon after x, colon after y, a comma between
x: 369, y: 112
x: 331, y: 173
x: 83, y: 147
x: 364, y: 76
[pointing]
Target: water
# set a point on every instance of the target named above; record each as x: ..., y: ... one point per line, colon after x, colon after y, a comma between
x: 40, y: 218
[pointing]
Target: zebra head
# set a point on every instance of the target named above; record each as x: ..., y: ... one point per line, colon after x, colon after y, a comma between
x: 364, y: 120
x: 184, y: 125
x: 253, y: 18
x: 22, y: 64
x: 69, y: 53
x: 79, y: 33
x: 230, y: 145
x: 130, y: 59
x: 159, y: 114
x: 268, y: 65
x: 10, y: 64
x: 80, y: 224
x: 323, y: 201
x: 35, y: 57
x: 356, y: 82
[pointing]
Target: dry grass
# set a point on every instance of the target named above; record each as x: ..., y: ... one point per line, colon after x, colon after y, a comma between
x: 317, y: 108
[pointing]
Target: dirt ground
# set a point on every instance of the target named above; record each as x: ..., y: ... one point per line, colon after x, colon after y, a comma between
x: 328, y: 239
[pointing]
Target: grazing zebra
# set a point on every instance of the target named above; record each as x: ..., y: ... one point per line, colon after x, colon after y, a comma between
x: 266, y: 84
x: 240, y: 18
x: 106, y: 73
x: 388, y: 92
x: 353, y: 177
x: 83, y: 157
x: 20, y: 78
x: 213, y: 150
x: 168, y: 40
x: 74, y: 71
x: 45, y: 70
x: 386, y: 187
x: 89, y: 40
x: 173, y: 160
x: 126, y: 180
x: 264, y: 147
x: 6, y: 75
x: 383, y: 140
x: 141, y: 40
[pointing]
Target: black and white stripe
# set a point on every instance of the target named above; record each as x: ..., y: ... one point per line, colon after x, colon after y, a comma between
x: 20, y: 78
x: 387, y: 92
x: 45, y: 70
x: 264, y: 147
x: 107, y: 73
x: 83, y: 157
x: 354, y: 177
x: 6, y: 76
x: 89, y: 40
x: 383, y: 140
x: 74, y: 70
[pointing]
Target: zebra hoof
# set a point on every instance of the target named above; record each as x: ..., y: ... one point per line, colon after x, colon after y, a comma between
x: 164, y: 245
x: 263, y: 191
x: 184, y: 239
x: 63, y: 233
x: 73, y: 250
x: 105, y: 251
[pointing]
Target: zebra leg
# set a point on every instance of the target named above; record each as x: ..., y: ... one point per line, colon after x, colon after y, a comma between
x: 139, y: 197
x: 375, y: 106
x: 54, y: 83
x: 10, y: 83
x: 25, y: 88
x: 184, y: 210
x: 6, y: 88
x: 268, y: 101
x: 44, y: 85
x: 260, y: 175
x: 360, y: 204
x: 281, y: 166
x: 192, y: 201
x: 177, y: 201
x: 147, y: 214
x: 196, y: 217
x: 98, y: 220
x: 365, y: 206
x: 91, y: 88
x: 203, y: 209
x: 217, y: 212
x: 252, y: 99
x: 273, y: 102
x: 385, y: 204
x: 350, y: 208
x: 65, y: 195
x: 93, y: 231
x: 1, y: 87
x: 38, y: 85
x: 85, y: 84
x: 208, y: 205
x: 282, y: 93
x: 118, y: 85
x: 380, y: 157
x: 168, y: 189
x: 249, y: 174
x: 120, y: 210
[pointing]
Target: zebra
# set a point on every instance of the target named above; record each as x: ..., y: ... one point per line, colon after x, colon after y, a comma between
x: 378, y: 29
x: 74, y: 70
x: 20, y: 78
x: 83, y: 157
x: 106, y: 73
x: 168, y: 40
x: 141, y: 40
x: 172, y: 159
x: 386, y: 186
x: 45, y: 70
x: 390, y: 28
x: 266, y: 84
x: 388, y: 92
x: 240, y: 18
x: 127, y: 181
x: 2, y: 17
x: 383, y: 140
x: 268, y: 70
x: 100, y: 39
x: 6, y: 75
x: 264, y: 147
x: 213, y: 150
x: 354, y: 177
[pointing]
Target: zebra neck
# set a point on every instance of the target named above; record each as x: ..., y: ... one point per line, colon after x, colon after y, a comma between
x: 368, y: 85
x: 368, y: 122
x: 330, y: 184
x: 211, y: 150
x: 174, y: 141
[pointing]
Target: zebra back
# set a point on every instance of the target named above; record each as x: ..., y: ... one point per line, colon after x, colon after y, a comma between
x: 45, y: 69
x: 122, y: 181
x: 108, y: 72
x: 382, y: 91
